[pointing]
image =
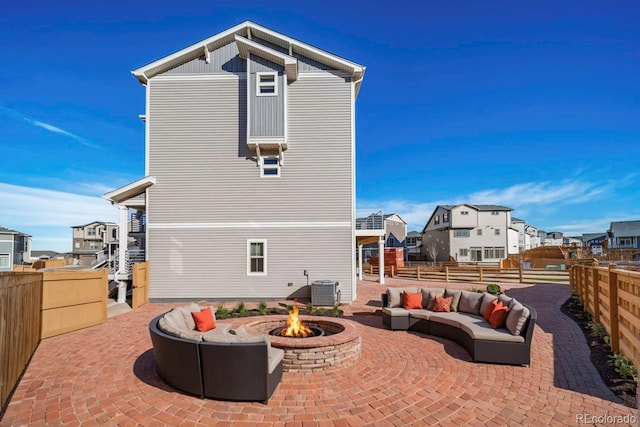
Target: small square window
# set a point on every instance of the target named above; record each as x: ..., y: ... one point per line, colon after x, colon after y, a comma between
x: 479, y: 232
x: 497, y: 231
x: 267, y: 84
x: 270, y: 167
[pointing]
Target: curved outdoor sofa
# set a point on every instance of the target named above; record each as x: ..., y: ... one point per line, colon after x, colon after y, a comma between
x: 465, y: 324
x: 220, y: 366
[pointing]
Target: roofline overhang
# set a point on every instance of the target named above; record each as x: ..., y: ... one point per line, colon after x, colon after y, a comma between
x: 123, y: 194
x: 290, y: 64
x: 143, y: 74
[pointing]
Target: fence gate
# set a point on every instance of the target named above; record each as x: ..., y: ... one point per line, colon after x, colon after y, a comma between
x: 140, y: 291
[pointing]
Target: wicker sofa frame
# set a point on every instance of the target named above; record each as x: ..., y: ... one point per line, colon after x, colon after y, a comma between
x: 481, y: 350
x: 224, y: 371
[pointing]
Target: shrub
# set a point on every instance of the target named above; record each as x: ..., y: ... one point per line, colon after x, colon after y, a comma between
x: 262, y: 308
x: 624, y: 366
x: 222, y: 312
x: 240, y: 309
x: 335, y: 311
x: 311, y: 308
x: 493, y: 289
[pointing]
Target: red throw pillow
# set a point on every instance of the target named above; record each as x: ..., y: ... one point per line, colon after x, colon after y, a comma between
x: 442, y: 304
x: 499, y: 317
x: 204, y: 319
x: 412, y: 300
x: 492, y: 306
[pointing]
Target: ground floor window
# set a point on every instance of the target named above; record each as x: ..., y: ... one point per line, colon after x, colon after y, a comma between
x: 464, y: 252
x: 256, y: 257
x: 476, y: 254
x: 5, y: 261
x: 494, y: 253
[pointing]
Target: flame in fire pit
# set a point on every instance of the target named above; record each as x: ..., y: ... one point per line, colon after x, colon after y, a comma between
x: 295, y: 328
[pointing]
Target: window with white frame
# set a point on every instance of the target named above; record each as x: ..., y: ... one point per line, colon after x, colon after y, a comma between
x: 464, y: 212
x: 497, y: 231
x: 256, y: 257
x: 445, y: 217
x: 436, y: 220
x: 494, y: 253
x: 461, y: 233
x: 625, y: 242
x: 5, y: 261
x: 270, y: 166
x: 267, y: 84
x: 464, y: 252
x: 479, y: 231
x: 91, y: 231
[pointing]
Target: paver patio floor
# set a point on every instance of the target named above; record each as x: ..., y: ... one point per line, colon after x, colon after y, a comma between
x: 104, y: 376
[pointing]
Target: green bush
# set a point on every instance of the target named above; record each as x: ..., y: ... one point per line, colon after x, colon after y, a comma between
x: 493, y: 289
x: 624, y: 366
x: 222, y: 312
x: 240, y: 309
x: 311, y: 308
x: 262, y: 308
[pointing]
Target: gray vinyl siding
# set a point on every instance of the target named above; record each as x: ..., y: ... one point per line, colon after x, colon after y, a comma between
x: 222, y: 60
x: 212, y: 264
x: 267, y: 112
x: 138, y: 200
x: 307, y: 64
x: 206, y: 175
x: 271, y: 45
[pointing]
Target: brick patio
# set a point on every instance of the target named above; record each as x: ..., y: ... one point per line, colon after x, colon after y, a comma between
x: 104, y: 376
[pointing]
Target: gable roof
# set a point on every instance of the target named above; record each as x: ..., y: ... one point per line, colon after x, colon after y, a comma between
x: 625, y: 228
x: 241, y: 34
x: 5, y: 230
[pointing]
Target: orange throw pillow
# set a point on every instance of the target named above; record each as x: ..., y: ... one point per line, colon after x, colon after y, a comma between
x: 492, y: 306
x: 204, y: 319
x: 412, y: 300
x: 442, y: 304
x: 499, y: 316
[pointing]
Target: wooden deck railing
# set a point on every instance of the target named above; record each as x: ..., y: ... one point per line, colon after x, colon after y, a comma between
x: 612, y: 296
x: 475, y: 274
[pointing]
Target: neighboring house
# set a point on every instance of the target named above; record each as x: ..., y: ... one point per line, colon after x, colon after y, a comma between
x: 572, y: 241
x: 553, y: 238
x: 594, y: 241
x: 467, y: 233
x: 518, y: 225
x: 414, y: 245
x: 15, y: 248
x: 624, y: 235
x: 250, y: 168
x: 532, y: 237
x: 92, y: 239
x: 395, y: 233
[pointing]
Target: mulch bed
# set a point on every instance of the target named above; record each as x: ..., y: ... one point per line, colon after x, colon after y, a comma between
x: 601, y: 356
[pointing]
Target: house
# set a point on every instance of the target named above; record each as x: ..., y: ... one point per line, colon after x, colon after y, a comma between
x: 624, y: 235
x: 594, y: 241
x: 414, y: 245
x: 92, y: 239
x: 553, y: 238
x: 395, y: 235
x: 533, y: 237
x: 15, y: 248
x: 521, y: 237
x: 467, y: 233
x: 250, y: 142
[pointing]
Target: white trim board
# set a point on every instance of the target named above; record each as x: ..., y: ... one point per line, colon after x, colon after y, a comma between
x: 231, y: 225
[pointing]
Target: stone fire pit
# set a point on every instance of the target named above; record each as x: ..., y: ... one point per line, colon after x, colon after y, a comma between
x: 339, y: 346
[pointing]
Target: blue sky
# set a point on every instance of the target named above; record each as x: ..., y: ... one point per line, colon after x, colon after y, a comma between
x: 534, y: 105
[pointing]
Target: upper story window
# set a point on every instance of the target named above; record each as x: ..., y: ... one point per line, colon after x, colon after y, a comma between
x: 270, y: 166
x: 464, y: 212
x: 436, y: 220
x: 479, y: 231
x: 460, y: 233
x: 445, y: 217
x: 497, y: 231
x: 495, y: 213
x: 267, y: 84
x: 91, y: 231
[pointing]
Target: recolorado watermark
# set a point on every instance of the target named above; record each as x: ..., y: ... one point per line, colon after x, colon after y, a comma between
x: 587, y: 418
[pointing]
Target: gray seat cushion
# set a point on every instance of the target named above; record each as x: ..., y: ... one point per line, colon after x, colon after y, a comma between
x: 452, y: 318
x: 420, y: 313
x: 275, y: 356
x: 482, y: 330
x: 396, y: 311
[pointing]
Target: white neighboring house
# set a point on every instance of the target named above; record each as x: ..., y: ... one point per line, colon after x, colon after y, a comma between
x: 414, y: 244
x: 532, y: 237
x: 250, y: 162
x: 554, y: 238
x: 519, y: 242
x: 467, y: 233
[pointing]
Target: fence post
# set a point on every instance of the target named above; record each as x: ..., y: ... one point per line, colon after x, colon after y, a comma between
x: 392, y: 270
x: 520, y: 273
x: 596, y: 294
x: 418, y: 272
x: 481, y: 275
x: 446, y: 273
x: 613, y: 308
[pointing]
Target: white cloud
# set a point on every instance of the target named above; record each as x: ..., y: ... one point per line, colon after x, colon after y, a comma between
x: 50, y: 213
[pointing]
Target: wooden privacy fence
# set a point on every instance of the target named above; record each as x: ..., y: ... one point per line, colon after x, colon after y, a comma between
x: 612, y: 296
x: 20, y: 323
x: 73, y: 299
x: 475, y: 274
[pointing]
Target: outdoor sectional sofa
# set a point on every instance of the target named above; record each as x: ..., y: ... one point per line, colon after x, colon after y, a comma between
x: 465, y: 323
x: 217, y: 364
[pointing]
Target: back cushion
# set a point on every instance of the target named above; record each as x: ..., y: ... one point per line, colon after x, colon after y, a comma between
x: 173, y: 325
x: 456, y: 298
x: 506, y: 300
x: 429, y: 297
x: 517, y: 317
x: 487, y: 298
x: 186, y: 314
x: 470, y: 302
x: 395, y: 296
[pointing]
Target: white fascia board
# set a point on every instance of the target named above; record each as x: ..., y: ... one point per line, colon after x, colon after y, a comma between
x: 290, y: 64
x: 144, y: 73
x: 130, y: 190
